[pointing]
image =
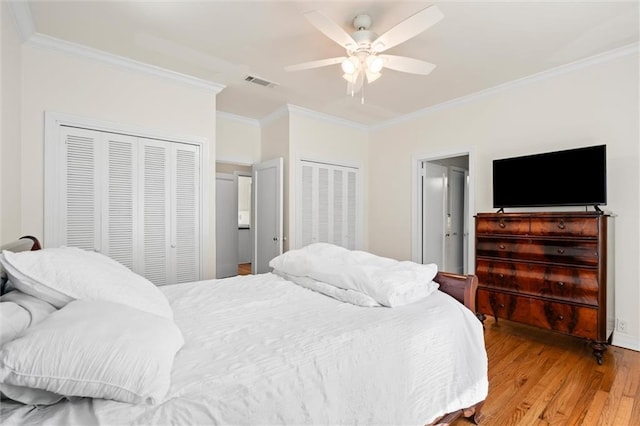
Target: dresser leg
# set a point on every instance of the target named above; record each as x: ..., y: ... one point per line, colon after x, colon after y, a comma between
x: 598, y: 351
x: 481, y: 317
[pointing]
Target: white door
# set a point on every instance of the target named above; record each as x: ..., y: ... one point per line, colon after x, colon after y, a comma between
x: 434, y: 196
x: 327, y: 204
x: 226, y: 225
x: 267, y: 214
x: 455, y: 238
x: 136, y: 200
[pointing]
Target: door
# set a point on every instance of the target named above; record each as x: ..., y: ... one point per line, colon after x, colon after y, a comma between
x: 327, y: 204
x: 226, y: 225
x: 434, y: 197
x: 267, y: 214
x: 455, y: 234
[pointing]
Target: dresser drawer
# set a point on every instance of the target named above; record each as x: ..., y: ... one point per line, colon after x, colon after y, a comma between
x: 512, y: 226
x: 579, y: 285
x: 501, y: 305
x: 583, y: 253
x: 569, y: 319
x: 565, y: 226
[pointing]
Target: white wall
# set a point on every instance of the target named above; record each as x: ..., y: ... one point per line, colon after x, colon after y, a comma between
x: 322, y: 139
x: 593, y: 105
x: 10, y: 148
x: 64, y: 83
x: 237, y: 139
x: 274, y: 138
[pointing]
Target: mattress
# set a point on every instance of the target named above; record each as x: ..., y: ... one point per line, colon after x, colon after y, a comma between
x: 262, y: 350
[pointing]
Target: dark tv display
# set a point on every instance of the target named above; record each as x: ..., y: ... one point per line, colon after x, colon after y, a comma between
x: 574, y: 177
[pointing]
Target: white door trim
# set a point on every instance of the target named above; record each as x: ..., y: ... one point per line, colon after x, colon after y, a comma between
x: 416, y: 199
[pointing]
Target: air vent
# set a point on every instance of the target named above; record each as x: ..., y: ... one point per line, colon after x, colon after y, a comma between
x: 260, y: 81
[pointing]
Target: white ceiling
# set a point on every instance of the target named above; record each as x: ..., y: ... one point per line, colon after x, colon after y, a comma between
x: 478, y: 45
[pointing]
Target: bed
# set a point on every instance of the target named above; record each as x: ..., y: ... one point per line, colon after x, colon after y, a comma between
x: 262, y: 349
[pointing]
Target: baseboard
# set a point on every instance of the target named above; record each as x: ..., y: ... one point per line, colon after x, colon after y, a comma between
x: 626, y: 341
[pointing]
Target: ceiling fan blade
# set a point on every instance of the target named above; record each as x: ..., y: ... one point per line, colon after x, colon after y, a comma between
x: 405, y: 64
x: 332, y: 30
x: 315, y: 64
x: 410, y: 27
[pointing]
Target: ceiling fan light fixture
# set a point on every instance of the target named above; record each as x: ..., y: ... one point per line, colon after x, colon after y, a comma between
x: 372, y: 76
x: 374, y: 64
x: 351, y: 78
x: 351, y: 65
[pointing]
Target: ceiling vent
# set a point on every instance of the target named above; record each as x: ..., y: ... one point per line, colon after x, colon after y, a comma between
x: 260, y: 81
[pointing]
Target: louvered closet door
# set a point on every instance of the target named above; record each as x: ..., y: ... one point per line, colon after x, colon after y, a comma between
x: 119, y: 234
x: 135, y: 200
x: 328, y: 204
x: 155, y: 210
x: 185, y: 225
x: 170, y: 211
x: 80, y: 189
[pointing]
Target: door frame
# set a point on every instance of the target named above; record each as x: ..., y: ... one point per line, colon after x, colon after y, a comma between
x: 416, y: 200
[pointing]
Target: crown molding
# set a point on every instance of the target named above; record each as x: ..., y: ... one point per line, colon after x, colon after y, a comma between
x: 58, y: 45
x: 238, y: 118
x: 628, y: 50
x: 23, y: 19
x: 283, y: 111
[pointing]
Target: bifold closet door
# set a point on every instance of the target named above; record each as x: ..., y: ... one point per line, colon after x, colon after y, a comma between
x: 135, y: 200
x: 328, y: 204
x: 169, y: 203
x: 99, y: 191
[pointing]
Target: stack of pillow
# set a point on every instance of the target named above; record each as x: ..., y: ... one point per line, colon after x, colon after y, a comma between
x: 79, y: 324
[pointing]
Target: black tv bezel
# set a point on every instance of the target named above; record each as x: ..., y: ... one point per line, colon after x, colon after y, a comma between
x: 550, y: 153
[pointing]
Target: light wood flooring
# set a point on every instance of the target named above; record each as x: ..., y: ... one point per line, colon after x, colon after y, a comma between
x: 244, y: 269
x: 544, y: 378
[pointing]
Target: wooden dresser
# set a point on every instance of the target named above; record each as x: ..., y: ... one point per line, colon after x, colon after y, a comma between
x: 552, y: 270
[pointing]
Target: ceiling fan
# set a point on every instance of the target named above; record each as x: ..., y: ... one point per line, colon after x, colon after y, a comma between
x: 364, y: 47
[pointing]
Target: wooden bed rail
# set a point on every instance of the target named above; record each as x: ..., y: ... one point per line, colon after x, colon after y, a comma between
x: 461, y: 287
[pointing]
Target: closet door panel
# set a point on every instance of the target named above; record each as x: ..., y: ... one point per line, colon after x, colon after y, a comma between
x: 119, y: 194
x: 80, y: 189
x: 155, y: 210
x: 185, y: 218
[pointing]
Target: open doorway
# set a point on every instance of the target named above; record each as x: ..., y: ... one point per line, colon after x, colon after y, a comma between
x: 249, y: 217
x: 233, y: 220
x: 441, y: 214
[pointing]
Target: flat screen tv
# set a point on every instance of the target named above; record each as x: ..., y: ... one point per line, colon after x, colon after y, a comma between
x: 574, y: 177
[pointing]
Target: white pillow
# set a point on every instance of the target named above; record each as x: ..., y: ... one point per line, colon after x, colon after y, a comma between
x: 94, y: 349
x: 19, y: 311
x: 60, y: 275
x: 13, y: 319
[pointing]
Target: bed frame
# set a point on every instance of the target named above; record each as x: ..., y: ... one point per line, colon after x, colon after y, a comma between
x: 460, y: 287
x: 463, y: 289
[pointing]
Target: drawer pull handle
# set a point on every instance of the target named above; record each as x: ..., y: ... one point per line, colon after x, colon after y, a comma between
x: 560, y: 317
x: 501, y: 275
x: 501, y: 224
x: 560, y: 284
x: 561, y: 224
x: 501, y: 246
x: 501, y: 305
x: 560, y: 251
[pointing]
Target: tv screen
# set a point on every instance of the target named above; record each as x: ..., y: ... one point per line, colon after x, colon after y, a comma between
x: 574, y: 177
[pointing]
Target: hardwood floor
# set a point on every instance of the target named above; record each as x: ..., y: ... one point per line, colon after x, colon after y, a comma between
x: 244, y: 269
x: 543, y: 378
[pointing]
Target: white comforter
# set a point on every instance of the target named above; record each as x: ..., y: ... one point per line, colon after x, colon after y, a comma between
x: 261, y: 350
